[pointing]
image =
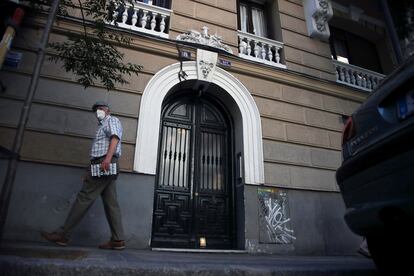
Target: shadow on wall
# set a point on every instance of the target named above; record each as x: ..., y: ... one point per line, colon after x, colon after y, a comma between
x: 43, y: 194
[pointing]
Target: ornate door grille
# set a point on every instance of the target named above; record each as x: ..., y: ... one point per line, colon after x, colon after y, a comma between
x: 193, y: 196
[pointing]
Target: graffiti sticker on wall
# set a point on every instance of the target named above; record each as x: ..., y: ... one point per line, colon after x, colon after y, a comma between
x: 274, y: 219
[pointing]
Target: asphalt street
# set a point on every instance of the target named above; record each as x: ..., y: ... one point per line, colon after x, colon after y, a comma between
x: 47, y: 259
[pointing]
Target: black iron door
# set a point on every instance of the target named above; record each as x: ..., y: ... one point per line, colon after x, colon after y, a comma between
x: 193, y: 196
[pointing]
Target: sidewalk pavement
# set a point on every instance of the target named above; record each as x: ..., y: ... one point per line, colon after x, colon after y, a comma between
x: 47, y: 259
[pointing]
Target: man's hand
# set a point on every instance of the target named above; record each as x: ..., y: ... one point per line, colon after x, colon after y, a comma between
x: 112, y: 147
x: 105, y: 164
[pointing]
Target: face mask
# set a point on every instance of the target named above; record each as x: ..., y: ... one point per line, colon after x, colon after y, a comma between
x: 100, y: 114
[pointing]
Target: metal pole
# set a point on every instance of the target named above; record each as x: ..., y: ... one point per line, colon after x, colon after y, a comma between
x: 18, y: 139
x: 391, y: 31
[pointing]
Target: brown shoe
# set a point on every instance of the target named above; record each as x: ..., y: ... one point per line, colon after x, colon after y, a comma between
x: 114, y: 245
x: 55, y: 237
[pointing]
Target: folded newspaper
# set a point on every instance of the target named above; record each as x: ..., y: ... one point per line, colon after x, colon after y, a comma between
x: 97, y: 172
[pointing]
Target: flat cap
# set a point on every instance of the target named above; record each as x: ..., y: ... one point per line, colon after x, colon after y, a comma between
x: 98, y: 104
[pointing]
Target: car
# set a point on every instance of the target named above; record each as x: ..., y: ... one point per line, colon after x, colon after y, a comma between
x: 376, y: 177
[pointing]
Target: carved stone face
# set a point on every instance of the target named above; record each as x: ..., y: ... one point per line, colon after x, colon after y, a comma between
x: 205, y: 68
x: 321, y: 17
x: 324, y: 4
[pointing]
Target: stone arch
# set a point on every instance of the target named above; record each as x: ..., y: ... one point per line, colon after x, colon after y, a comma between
x: 161, y: 83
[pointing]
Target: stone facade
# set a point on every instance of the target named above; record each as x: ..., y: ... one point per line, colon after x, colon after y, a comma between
x: 301, y: 110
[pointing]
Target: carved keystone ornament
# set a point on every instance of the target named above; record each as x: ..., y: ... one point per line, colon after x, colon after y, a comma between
x: 206, y: 64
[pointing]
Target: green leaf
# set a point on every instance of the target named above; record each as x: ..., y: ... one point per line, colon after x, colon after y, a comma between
x: 92, y: 55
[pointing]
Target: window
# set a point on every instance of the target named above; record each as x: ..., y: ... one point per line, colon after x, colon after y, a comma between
x: 252, y: 18
x: 339, y: 50
x: 352, y: 49
x: 159, y: 3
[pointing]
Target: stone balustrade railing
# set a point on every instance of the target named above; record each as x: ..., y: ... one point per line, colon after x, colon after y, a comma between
x: 260, y: 49
x: 141, y: 17
x: 357, y: 77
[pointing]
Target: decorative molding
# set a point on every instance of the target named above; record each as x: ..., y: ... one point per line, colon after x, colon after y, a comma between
x: 206, y: 64
x: 160, y: 85
x: 168, y: 48
x: 317, y: 14
x: 204, y: 39
x: 347, y: 13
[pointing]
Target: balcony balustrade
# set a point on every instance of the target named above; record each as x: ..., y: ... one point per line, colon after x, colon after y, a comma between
x: 357, y: 77
x: 143, y: 17
x: 260, y: 49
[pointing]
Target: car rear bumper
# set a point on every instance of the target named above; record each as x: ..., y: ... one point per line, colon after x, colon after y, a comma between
x: 386, y: 149
x: 386, y: 185
x: 365, y: 219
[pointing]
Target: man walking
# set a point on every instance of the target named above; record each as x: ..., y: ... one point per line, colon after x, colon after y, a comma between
x: 100, y: 179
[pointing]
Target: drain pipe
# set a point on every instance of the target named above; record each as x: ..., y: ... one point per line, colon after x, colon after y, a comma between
x: 391, y: 31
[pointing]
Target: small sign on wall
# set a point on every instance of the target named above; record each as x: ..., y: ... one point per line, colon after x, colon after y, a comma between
x: 274, y: 218
x: 186, y: 55
x: 224, y: 63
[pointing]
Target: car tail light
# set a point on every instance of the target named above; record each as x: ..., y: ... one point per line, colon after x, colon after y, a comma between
x: 349, y: 130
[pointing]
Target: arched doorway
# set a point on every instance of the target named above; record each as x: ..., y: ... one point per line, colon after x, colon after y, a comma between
x: 160, y: 85
x: 194, y: 192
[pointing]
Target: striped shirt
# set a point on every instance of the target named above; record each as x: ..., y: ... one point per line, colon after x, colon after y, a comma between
x: 108, y: 127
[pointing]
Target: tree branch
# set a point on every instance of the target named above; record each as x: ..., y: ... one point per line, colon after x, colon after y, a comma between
x: 83, y: 20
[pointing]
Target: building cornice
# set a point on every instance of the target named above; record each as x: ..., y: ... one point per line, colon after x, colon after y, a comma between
x: 168, y: 48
